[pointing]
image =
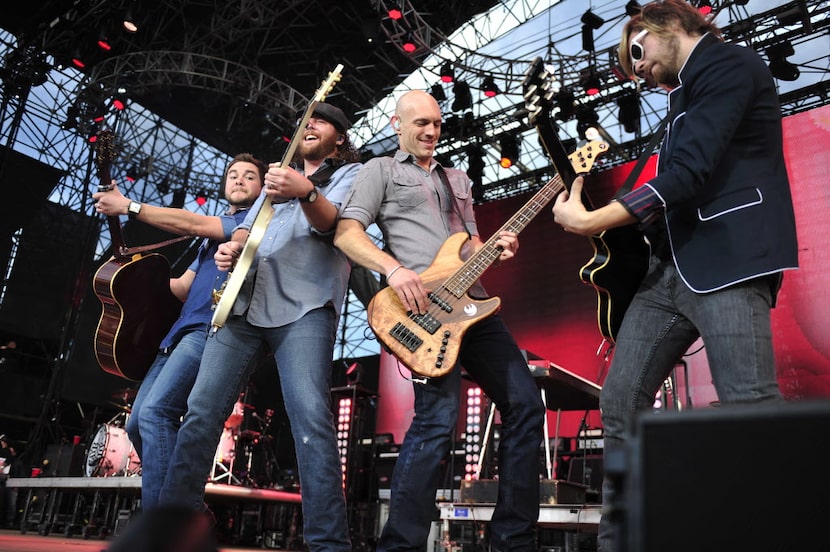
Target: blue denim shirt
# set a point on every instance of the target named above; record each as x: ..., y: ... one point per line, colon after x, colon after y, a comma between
x: 296, y: 268
x: 196, y: 312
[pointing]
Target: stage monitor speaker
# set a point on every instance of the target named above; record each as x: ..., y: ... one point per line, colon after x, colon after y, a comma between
x: 722, y: 479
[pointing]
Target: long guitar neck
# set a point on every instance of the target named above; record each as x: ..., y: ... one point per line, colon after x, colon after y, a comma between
x: 486, y: 255
x: 104, y: 156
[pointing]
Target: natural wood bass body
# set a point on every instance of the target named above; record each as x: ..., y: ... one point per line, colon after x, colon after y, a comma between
x: 438, y: 351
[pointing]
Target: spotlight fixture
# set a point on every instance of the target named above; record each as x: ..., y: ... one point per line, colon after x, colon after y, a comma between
x: 395, y: 13
x: 632, y: 8
x: 629, y: 114
x: 132, y: 173
x: 587, y: 38
x: 564, y: 101
x: 586, y: 123
x: 463, y: 99
x: 130, y: 23
x: 780, y: 68
x: 590, y: 82
x: 201, y: 198
x: 447, y: 74
x: 179, y: 197
x: 509, y: 145
x: 475, y: 164
x: 704, y: 7
x: 77, y: 59
x: 408, y: 44
x: 437, y: 92
x: 104, y: 42
x: 488, y: 85
x: 592, y: 20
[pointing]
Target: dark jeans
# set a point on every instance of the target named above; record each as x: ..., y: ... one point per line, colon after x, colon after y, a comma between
x: 493, y: 360
x: 663, y: 321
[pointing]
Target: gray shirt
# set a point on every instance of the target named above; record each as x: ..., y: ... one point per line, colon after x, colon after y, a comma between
x: 296, y: 268
x: 412, y: 208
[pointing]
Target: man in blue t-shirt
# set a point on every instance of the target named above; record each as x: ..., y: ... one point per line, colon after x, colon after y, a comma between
x: 162, y: 398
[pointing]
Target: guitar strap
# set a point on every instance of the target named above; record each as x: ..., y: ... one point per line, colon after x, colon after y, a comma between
x: 628, y: 185
x: 443, y: 176
x: 322, y: 175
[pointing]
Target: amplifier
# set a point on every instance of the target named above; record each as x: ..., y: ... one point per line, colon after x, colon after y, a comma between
x: 551, y: 491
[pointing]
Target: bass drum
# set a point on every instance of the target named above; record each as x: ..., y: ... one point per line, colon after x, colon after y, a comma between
x: 111, y: 453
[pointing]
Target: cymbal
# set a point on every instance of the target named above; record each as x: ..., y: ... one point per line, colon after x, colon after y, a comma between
x: 121, y: 407
x: 125, y: 394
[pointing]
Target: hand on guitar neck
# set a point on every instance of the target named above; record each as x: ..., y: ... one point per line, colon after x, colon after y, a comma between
x: 570, y: 212
x: 409, y: 286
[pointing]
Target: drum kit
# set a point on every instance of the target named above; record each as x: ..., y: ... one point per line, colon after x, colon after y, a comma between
x: 240, y: 445
x: 241, y: 457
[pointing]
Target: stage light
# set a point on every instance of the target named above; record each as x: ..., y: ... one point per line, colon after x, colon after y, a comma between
x: 509, y: 145
x: 130, y: 23
x: 780, y: 68
x: 488, y: 85
x: 103, y: 42
x: 587, y: 121
x: 132, y: 173
x: 179, y: 197
x: 447, y: 74
x: 119, y: 101
x: 437, y: 92
x: 592, y: 20
x: 590, y: 82
x: 475, y: 164
x: 408, y: 44
x: 704, y: 7
x: 632, y: 8
x: 77, y: 60
x: 395, y: 13
x: 463, y: 98
x: 564, y: 101
x: 201, y: 199
x: 629, y: 114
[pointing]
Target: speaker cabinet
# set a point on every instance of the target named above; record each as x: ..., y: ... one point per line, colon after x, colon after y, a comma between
x: 729, y: 478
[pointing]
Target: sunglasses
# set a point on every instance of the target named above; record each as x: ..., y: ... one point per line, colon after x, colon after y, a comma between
x: 635, y: 49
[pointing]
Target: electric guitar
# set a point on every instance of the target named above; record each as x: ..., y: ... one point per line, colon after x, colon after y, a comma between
x: 428, y: 344
x: 138, y: 307
x: 620, y: 258
x: 225, y: 297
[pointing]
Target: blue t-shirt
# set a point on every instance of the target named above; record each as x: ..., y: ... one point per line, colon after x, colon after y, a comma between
x: 197, y: 310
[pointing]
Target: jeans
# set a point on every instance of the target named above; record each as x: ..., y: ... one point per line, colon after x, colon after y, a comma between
x: 303, y: 352
x: 156, y: 413
x: 662, y: 322
x: 493, y: 360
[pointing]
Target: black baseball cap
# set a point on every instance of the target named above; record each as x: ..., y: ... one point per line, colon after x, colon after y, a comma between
x: 332, y: 114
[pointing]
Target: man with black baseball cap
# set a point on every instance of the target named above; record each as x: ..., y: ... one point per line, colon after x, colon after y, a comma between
x: 288, y: 305
x: 332, y: 114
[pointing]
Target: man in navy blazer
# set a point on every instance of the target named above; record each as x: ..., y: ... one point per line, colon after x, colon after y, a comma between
x: 718, y: 217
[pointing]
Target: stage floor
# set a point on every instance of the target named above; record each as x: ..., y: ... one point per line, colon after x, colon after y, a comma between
x: 14, y: 541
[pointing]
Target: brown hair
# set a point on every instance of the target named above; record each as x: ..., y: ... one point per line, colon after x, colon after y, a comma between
x: 262, y: 168
x: 660, y: 18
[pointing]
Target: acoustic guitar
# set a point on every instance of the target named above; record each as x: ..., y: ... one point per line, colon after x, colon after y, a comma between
x: 138, y: 307
x: 225, y: 297
x: 429, y: 344
x: 621, y: 255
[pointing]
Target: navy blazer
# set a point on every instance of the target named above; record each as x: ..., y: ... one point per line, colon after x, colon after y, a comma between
x: 721, y: 172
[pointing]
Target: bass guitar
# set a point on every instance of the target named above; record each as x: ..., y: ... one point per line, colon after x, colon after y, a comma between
x: 428, y: 344
x: 620, y: 258
x: 225, y: 297
x: 138, y: 307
